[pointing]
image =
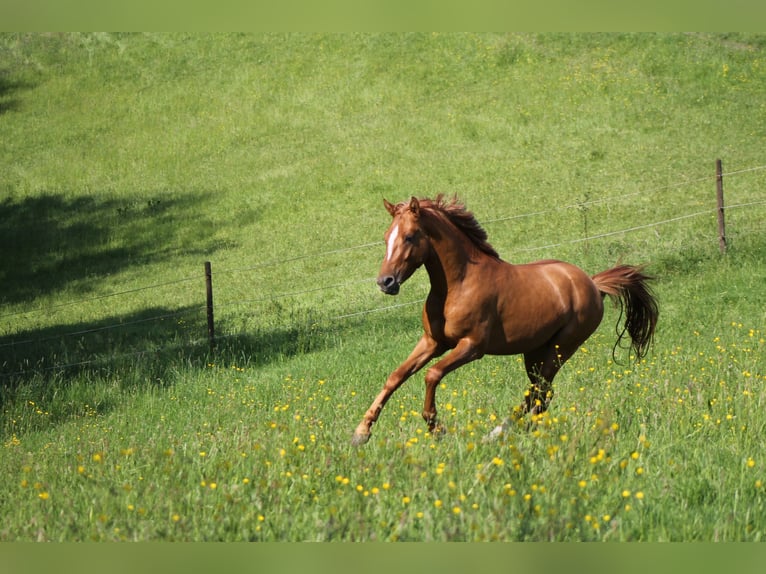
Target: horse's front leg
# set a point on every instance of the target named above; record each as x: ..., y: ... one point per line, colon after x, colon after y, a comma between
x: 423, y: 352
x: 464, y: 352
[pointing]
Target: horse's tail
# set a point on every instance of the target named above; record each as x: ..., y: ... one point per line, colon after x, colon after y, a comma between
x: 628, y: 286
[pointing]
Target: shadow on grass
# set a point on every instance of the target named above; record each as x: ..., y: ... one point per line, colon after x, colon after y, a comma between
x: 9, y: 89
x: 62, y: 367
x: 52, y: 241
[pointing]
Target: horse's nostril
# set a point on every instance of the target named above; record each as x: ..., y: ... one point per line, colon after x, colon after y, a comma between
x: 388, y: 284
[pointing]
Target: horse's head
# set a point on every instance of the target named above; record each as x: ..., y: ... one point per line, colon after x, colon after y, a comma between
x: 407, y: 246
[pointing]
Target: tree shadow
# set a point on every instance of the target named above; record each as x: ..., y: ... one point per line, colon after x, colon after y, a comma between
x: 129, y: 353
x: 61, y: 352
x: 52, y: 241
x: 8, y: 90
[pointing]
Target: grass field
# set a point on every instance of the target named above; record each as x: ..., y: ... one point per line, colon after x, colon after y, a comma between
x: 129, y: 160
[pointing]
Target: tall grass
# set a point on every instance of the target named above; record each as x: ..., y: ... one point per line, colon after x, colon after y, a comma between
x: 128, y: 160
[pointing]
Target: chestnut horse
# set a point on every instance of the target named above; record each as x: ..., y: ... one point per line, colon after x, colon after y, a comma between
x: 479, y: 304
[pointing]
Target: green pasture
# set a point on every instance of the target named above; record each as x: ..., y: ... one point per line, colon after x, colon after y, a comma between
x: 127, y: 161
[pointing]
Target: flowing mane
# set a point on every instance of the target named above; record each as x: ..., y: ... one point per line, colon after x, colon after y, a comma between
x: 463, y: 219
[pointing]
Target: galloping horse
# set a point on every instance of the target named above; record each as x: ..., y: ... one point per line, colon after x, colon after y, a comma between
x: 479, y: 304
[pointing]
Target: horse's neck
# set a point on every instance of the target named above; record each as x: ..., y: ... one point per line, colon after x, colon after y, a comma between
x: 436, y: 274
x: 452, y: 254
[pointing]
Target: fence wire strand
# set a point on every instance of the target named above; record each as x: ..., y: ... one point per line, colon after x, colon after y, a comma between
x: 274, y: 262
x: 638, y: 227
x: 327, y: 253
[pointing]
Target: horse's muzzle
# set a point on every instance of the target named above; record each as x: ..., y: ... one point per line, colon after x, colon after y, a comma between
x: 388, y: 284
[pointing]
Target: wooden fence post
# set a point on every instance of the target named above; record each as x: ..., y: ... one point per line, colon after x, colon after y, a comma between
x: 209, y: 290
x: 719, y: 194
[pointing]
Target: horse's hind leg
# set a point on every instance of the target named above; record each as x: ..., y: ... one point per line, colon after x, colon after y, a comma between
x: 541, y: 365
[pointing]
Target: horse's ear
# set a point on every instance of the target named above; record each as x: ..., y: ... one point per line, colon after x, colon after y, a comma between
x: 390, y: 207
x: 415, y: 206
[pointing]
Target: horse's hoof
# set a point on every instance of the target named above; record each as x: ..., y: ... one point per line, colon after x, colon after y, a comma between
x: 438, y: 432
x: 359, y: 439
x: 494, y: 434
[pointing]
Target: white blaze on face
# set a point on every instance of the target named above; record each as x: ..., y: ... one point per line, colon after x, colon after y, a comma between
x: 391, y: 241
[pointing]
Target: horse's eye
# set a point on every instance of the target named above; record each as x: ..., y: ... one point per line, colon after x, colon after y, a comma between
x: 409, y: 238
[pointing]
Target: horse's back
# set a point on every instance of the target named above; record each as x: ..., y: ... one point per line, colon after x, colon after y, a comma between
x: 564, y: 283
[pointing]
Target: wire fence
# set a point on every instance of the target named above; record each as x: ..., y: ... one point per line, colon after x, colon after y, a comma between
x: 195, y: 313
